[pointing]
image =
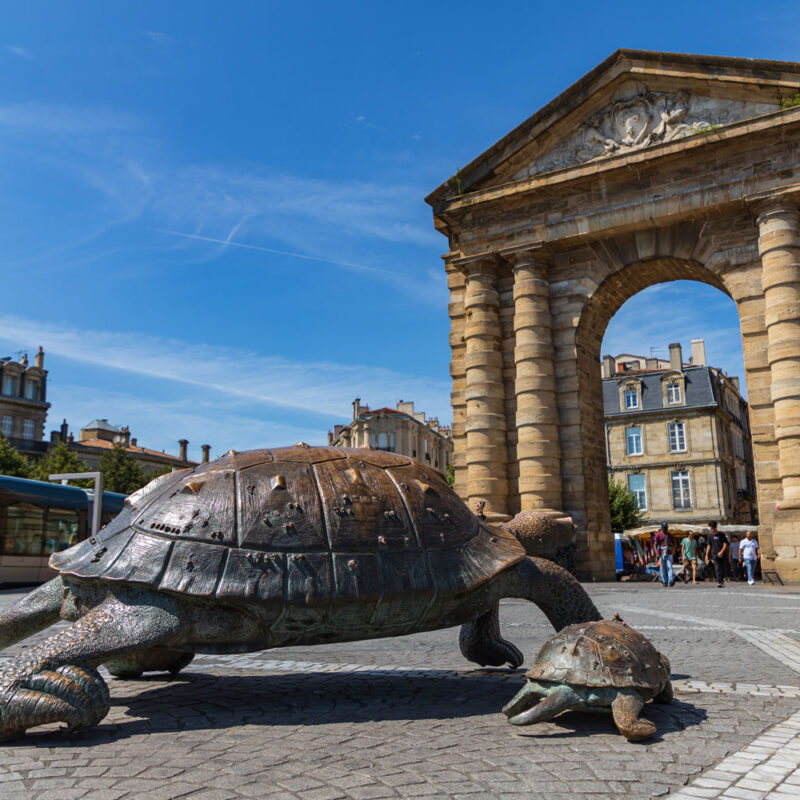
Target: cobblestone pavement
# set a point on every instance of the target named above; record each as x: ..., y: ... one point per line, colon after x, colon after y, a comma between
x: 408, y: 717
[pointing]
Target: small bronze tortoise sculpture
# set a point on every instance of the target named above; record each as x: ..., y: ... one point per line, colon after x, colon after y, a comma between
x: 269, y: 548
x: 591, y: 667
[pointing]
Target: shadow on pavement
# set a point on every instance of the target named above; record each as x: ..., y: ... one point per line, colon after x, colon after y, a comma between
x: 202, y: 701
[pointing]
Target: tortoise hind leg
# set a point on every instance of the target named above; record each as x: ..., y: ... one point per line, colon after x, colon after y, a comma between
x: 626, y: 709
x: 480, y: 641
x: 31, y: 613
x: 665, y: 695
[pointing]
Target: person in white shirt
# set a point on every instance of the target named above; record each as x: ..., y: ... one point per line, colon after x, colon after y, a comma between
x: 749, y: 553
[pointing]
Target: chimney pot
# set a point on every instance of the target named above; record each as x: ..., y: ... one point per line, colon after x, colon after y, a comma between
x: 206, y: 448
x: 698, y: 353
x: 39, y: 361
x: 183, y: 443
x: 675, y: 356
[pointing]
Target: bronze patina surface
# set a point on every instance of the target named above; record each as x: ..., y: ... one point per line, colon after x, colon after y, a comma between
x: 595, y: 666
x: 269, y: 548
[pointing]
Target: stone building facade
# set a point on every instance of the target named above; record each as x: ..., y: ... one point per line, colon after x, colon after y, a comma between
x: 397, y: 430
x: 23, y: 403
x: 679, y: 438
x: 652, y: 167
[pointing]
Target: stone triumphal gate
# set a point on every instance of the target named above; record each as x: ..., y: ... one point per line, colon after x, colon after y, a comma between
x: 653, y: 167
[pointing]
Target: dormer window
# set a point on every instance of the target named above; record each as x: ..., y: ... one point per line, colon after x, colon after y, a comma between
x: 31, y: 390
x: 631, y: 398
x: 673, y: 388
x: 9, y: 385
x: 673, y: 393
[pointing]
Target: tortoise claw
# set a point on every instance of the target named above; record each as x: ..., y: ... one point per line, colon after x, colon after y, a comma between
x: 76, y: 696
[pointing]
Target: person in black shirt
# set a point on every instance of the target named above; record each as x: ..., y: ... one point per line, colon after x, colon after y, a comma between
x: 717, y: 551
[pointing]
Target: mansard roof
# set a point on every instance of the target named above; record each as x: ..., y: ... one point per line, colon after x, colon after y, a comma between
x: 633, y: 100
x: 699, y: 391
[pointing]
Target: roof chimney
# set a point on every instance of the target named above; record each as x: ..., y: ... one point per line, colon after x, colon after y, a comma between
x: 39, y: 361
x: 698, y: 353
x: 608, y: 366
x: 356, y: 406
x: 24, y: 360
x: 206, y: 448
x: 184, y: 443
x: 675, y: 356
x: 134, y: 441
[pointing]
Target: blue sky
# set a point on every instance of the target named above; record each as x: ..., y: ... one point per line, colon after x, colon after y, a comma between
x: 213, y: 213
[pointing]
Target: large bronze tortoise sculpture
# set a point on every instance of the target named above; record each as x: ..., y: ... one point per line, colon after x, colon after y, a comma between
x: 262, y: 549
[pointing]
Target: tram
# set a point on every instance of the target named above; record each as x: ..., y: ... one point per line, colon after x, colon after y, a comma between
x: 38, y: 519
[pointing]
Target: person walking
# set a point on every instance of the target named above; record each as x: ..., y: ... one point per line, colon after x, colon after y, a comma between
x: 689, y: 548
x: 664, y: 543
x: 717, y: 552
x: 749, y: 554
x: 736, y: 566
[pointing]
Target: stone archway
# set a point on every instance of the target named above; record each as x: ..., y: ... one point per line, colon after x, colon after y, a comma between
x: 653, y: 167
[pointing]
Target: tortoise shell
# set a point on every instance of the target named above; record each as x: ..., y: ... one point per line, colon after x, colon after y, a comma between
x: 317, y: 527
x: 603, y: 654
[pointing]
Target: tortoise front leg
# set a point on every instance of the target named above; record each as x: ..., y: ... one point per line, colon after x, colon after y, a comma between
x: 480, y: 641
x: 560, y: 699
x: 31, y: 613
x: 626, y: 708
x: 57, y: 681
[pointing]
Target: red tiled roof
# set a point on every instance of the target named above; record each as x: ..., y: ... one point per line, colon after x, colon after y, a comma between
x: 106, y: 445
x: 383, y: 411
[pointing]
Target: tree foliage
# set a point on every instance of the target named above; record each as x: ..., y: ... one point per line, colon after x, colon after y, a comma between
x: 625, y: 512
x: 450, y: 475
x: 121, y: 472
x: 12, y: 462
x: 58, y: 460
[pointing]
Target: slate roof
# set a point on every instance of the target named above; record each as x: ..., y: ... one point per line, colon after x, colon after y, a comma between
x: 698, y: 382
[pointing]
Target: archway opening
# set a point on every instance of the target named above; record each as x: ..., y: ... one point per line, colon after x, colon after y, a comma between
x: 671, y: 423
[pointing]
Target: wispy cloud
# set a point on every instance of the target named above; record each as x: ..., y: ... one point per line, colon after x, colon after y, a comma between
x: 19, y: 52
x: 324, y: 388
x: 159, y: 423
x: 162, y: 39
x: 324, y: 221
x: 44, y: 118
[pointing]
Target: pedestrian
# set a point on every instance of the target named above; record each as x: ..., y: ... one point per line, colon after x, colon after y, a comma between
x: 664, y: 543
x: 717, y: 552
x: 689, y: 548
x: 736, y: 572
x: 749, y: 554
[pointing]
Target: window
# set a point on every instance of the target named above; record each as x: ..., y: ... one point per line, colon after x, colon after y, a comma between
x: 633, y: 438
x: 631, y: 398
x: 28, y: 429
x: 61, y: 530
x: 9, y: 385
x: 427, y: 450
x: 24, y: 533
x: 673, y: 393
x: 30, y: 390
x: 636, y: 487
x: 677, y: 437
x: 7, y: 427
x: 681, y: 496
x: 386, y: 441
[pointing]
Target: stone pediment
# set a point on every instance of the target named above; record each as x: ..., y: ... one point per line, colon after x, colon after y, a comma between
x: 640, y: 118
x: 633, y: 101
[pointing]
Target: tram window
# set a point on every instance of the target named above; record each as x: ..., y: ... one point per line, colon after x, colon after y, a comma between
x: 24, y: 531
x: 61, y: 530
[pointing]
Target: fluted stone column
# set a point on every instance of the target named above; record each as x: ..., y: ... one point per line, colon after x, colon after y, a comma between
x: 538, y: 446
x: 485, y: 425
x: 779, y: 247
